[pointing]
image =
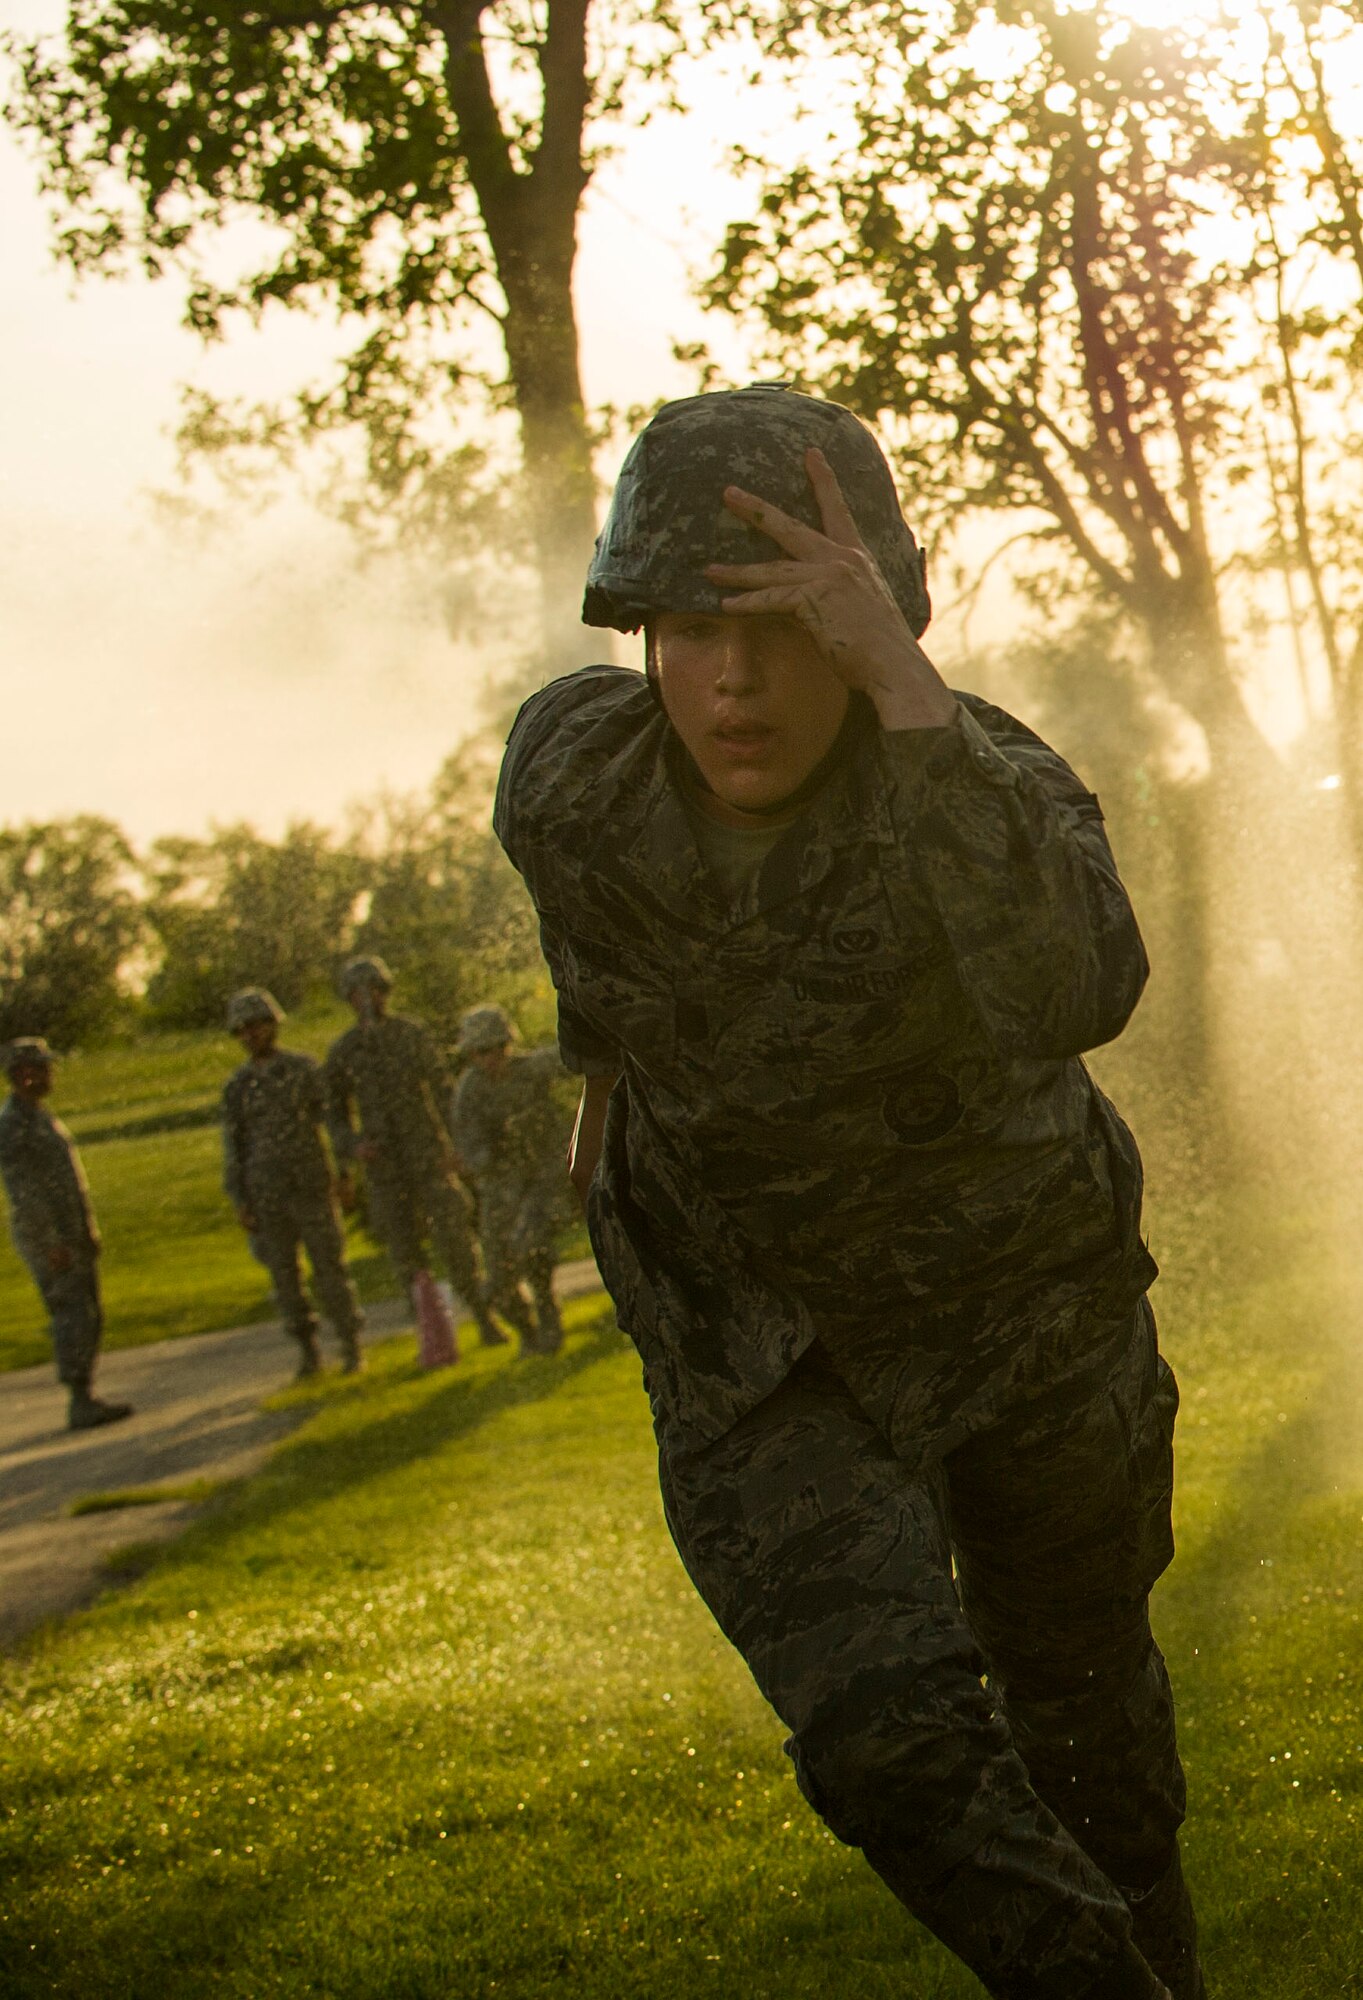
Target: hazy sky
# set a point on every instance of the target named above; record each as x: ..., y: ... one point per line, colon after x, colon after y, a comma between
x: 169, y: 681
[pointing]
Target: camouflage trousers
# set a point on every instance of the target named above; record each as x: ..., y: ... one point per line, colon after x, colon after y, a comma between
x: 409, y: 1209
x: 962, y: 1655
x: 311, y: 1223
x: 516, y: 1224
x: 77, y: 1317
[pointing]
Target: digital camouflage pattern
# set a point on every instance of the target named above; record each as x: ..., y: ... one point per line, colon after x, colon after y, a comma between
x: 49, y: 1210
x: 388, y: 1073
x: 277, y: 1168
x: 483, y: 1029
x: 877, y: 1236
x: 274, y: 1113
x: 310, y: 1224
x: 853, y: 1097
x: 509, y: 1122
x: 511, y: 1134
x: 1002, y: 1810
x: 667, y: 516
x: 386, y: 1078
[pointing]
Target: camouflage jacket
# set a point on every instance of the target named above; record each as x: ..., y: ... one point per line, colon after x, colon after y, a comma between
x: 851, y: 1101
x: 273, y: 1147
x: 390, y: 1072
x: 510, y: 1125
x: 49, y: 1197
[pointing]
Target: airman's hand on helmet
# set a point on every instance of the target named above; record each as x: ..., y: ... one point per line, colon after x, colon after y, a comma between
x: 829, y: 582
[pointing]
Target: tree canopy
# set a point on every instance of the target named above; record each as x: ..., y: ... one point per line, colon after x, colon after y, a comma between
x: 1097, y: 278
x: 411, y: 173
x: 69, y: 923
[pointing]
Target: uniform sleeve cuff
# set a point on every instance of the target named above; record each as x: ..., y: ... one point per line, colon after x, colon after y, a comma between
x: 599, y: 1063
x: 923, y: 760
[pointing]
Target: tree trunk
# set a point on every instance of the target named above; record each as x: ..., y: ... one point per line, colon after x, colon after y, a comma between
x: 529, y: 207
x: 560, y: 494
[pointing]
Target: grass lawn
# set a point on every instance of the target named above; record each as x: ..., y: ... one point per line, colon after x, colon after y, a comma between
x: 429, y: 1711
x: 175, y: 1261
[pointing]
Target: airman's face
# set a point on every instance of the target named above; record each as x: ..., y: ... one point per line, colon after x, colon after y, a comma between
x: 753, y: 701
x: 258, y: 1037
x: 369, y: 1000
x: 490, y: 1061
x: 31, y: 1079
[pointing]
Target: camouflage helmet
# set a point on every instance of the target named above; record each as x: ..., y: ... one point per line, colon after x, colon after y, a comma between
x: 365, y: 972
x: 252, y: 1003
x: 30, y: 1050
x: 484, y: 1028
x: 667, y: 516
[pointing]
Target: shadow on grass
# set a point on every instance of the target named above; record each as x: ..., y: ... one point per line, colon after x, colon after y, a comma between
x: 321, y: 1464
x: 1283, y: 1475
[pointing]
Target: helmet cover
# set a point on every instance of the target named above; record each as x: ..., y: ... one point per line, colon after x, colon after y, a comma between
x: 28, y: 1052
x: 364, y: 972
x: 667, y: 517
x: 484, y: 1028
x: 252, y: 1003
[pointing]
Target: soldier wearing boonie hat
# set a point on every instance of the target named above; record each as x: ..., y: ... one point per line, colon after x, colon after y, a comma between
x: 388, y: 1095
x: 278, y: 1175
x: 53, y: 1225
x: 510, y: 1134
x: 829, y: 941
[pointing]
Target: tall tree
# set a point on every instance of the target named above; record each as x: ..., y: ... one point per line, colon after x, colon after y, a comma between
x: 239, y: 910
x: 69, y: 922
x: 1001, y: 266
x: 419, y: 168
x: 444, y: 906
x: 1294, y: 166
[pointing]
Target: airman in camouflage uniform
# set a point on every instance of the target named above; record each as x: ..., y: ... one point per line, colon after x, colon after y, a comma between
x: 278, y: 1176
x: 387, y: 1070
x: 507, y: 1128
x: 53, y: 1226
x: 829, y: 942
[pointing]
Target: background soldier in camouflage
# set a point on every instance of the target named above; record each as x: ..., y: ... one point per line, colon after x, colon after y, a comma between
x: 387, y: 1070
x: 842, y: 936
x: 278, y: 1177
x: 508, y: 1128
x: 53, y: 1226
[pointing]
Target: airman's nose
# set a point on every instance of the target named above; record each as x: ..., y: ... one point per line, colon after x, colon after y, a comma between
x: 740, y: 668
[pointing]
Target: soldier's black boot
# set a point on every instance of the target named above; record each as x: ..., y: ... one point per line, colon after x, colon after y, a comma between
x: 310, y: 1360
x: 352, y: 1359
x: 88, y: 1413
x: 514, y: 1308
x: 489, y: 1333
x: 549, y: 1337
x: 1165, y: 1930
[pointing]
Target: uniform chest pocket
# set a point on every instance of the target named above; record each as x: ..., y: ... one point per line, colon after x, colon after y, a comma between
x: 875, y: 1016
x: 624, y: 994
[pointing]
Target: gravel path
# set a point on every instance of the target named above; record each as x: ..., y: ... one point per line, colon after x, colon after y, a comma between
x: 197, y: 1416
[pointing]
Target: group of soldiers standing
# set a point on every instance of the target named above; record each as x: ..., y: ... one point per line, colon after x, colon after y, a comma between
x: 384, y: 1100
x: 446, y: 1167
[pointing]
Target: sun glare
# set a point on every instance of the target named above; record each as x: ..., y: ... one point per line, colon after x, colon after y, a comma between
x: 1171, y: 13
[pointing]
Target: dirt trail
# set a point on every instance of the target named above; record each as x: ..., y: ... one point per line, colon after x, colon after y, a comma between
x: 197, y: 1416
